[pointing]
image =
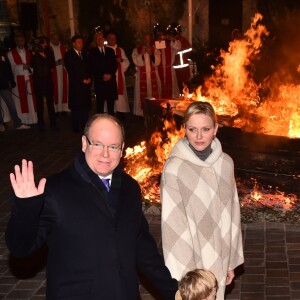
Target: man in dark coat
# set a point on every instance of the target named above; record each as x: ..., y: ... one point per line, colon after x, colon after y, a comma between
x: 96, y: 233
x: 103, y: 64
x: 79, y: 83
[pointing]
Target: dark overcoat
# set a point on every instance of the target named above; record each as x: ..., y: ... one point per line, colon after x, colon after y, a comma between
x: 99, y: 65
x: 94, y: 251
x: 7, y: 80
x: 79, y: 93
x: 42, y: 72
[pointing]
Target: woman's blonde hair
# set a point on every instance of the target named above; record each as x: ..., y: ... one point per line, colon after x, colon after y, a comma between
x: 200, y: 107
x: 197, y: 284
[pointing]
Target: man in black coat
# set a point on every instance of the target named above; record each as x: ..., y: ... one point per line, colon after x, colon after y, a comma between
x: 79, y: 83
x: 103, y: 64
x: 91, y: 218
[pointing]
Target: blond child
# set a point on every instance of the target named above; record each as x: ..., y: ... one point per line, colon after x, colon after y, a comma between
x: 199, y: 284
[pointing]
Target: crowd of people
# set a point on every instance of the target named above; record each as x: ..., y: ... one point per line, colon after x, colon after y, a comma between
x: 162, y: 66
x: 35, y: 74
x: 47, y: 71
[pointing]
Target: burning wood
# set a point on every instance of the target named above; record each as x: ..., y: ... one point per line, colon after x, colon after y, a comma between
x: 257, y: 196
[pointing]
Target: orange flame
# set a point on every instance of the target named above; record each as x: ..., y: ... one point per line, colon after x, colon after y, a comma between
x: 233, y: 92
x: 147, y: 170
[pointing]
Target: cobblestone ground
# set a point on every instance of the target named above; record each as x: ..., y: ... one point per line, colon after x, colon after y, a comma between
x: 272, y: 250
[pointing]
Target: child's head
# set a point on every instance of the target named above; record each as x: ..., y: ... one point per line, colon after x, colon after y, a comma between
x: 199, y: 284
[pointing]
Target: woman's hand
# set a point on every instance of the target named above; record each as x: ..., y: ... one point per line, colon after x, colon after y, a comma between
x: 230, y: 276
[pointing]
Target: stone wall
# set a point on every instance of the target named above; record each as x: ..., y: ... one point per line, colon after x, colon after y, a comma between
x: 200, y: 11
x: 59, y: 19
x: 58, y: 12
x: 12, y: 10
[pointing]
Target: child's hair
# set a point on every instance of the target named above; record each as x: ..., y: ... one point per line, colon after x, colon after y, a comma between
x: 197, y: 284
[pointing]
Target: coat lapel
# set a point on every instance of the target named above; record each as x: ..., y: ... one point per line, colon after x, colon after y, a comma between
x: 91, y: 178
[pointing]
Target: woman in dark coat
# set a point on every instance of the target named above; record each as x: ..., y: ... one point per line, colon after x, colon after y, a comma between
x: 42, y: 62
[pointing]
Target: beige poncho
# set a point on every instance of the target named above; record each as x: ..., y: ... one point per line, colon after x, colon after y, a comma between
x: 201, y: 225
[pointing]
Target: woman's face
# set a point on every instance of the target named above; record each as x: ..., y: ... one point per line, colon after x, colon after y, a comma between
x: 200, y: 130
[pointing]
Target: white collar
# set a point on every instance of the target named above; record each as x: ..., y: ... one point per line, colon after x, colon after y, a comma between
x: 106, y: 177
x: 55, y: 46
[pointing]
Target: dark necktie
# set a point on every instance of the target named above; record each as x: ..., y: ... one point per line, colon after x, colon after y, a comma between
x: 79, y: 53
x: 102, y: 51
x: 106, y: 183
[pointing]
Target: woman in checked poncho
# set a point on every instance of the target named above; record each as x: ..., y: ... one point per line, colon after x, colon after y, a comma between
x: 201, y: 226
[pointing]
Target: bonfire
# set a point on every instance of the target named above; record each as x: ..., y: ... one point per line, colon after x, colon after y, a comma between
x: 236, y: 96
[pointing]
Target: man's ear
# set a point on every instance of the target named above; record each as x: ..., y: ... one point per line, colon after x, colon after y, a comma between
x: 122, y: 148
x: 84, y: 143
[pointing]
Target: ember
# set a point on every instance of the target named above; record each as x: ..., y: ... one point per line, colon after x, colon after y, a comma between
x: 260, y: 197
x: 259, y: 204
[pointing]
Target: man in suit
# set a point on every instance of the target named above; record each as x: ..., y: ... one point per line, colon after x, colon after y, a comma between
x: 103, y: 65
x: 79, y: 83
x: 91, y: 218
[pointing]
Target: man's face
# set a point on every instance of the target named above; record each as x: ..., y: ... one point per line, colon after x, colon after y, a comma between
x: 78, y: 44
x: 44, y: 44
x: 111, y: 40
x: 99, y: 39
x: 105, y: 132
x: 20, y: 42
x: 147, y: 39
x: 55, y: 39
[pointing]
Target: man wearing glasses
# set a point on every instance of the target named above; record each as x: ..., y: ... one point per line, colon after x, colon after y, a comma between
x: 95, y: 230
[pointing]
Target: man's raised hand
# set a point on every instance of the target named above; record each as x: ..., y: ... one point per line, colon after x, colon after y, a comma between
x: 23, y: 183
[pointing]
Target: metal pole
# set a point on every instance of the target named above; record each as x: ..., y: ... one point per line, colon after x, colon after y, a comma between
x: 46, y: 18
x: 190, y: 20
x: 71, y: 17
